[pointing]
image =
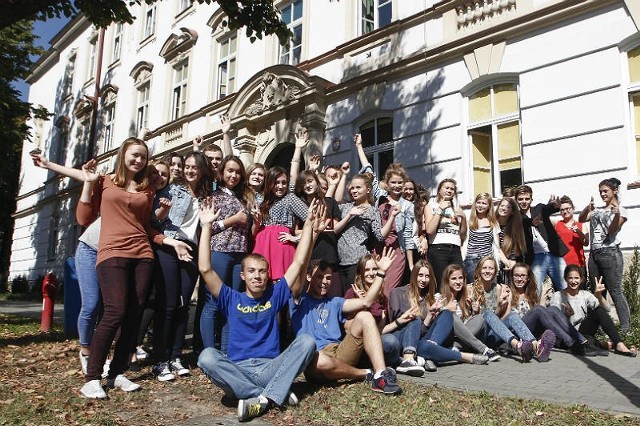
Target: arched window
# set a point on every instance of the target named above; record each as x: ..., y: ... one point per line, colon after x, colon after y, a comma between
x: 494, y: 135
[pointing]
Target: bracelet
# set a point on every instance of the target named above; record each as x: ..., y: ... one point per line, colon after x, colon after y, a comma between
x: 398, y: 323
x: 381, y: 274
x: 221, y: 225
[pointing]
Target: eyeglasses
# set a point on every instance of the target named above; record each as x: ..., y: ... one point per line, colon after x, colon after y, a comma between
x: 520, y: 276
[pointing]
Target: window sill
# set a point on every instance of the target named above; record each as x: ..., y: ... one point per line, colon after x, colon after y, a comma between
x: 634, y: 185
x: 146, y: 41
x: 113, y: 64
x: 183, y: 14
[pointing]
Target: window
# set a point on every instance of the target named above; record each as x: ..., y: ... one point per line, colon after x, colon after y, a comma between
x: 291, y: 15
x: 633, y: 57
x: 149, y: 21
x: 93, y: 57
x: 117, y: 42
x: 179, y: 100
x: 375, y: 14
x: 494, y: 134
x: 142, y: 107
x: 227, y: 66
x: 377, y: 141
x: 109, y: 122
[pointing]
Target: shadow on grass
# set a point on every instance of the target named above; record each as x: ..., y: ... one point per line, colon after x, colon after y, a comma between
x: 23, y: 331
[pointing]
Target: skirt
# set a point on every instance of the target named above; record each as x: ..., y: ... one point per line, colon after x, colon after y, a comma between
x: 279, y: 255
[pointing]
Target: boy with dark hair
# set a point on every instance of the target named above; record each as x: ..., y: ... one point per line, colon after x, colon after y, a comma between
x: 313, y: 313
x: 254, y: 370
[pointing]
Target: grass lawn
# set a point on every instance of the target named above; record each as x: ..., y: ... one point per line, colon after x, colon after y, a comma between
x: 40, y: 379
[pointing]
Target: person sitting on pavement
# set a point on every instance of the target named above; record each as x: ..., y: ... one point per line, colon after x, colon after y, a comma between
x: 253, y: 370
x: 312, y: 312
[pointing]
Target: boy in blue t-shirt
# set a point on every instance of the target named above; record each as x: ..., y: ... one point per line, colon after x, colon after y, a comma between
x: 254, y: 370
x: 315, y: 314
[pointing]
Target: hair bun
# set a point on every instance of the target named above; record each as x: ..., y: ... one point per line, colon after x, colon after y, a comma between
x: 615, y: 181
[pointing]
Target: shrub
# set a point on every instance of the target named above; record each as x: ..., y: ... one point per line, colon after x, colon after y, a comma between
x: 20, y: 284
x: 630, y: 281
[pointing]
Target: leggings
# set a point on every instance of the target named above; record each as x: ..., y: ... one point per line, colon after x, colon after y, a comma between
x: 470, y: 334
x: 599, y: 317
x: 540, y: 319
x: 124, y: 284
x: 174, y: 284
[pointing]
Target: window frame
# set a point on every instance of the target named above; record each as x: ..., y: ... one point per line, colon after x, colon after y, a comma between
x: 375, y: 20
x: 628, y: 46
x: 109, y: 114
x: 180, y: 88
x: 142, y: 105
x: 230, y: 57
x: 116, y: 46
x: 292, y: 26
x: 493, y: 122
x: 93, y: 58
x: 150, y: 15
x: 376, y: 148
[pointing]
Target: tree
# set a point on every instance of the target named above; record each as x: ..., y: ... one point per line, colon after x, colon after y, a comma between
x: 16, y: 49
x: 259, y: 17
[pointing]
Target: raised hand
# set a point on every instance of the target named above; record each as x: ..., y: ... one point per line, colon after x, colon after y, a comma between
x: 320, y: 222
x: 386, y: 259
x: 333, y: 177
x: 302, y: 138
x: 314, y: 162
x: 600, y: 287
x: 358, y: 292
x: 226, y: 123
x: 357, y: 139
x: 592, y: 204
x: 164, y: 202
x: 208, y: 211
x: 345, y: 168
x: 39, y: 160
x: 89, y: 172
x: 197, y: 143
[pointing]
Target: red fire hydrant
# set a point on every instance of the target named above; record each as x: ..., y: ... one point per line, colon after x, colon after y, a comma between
x: 49, y: 287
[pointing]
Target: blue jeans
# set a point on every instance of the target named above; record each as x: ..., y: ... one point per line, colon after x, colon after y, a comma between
x: 430, y: 346
x: 89, y: 292
x: 227, y: 266
x: 252, y: 377
x: 608, y: 263
x: 505, y: 330
x: 469, y: 264
x: 401, y: 341
x: 547, y: 264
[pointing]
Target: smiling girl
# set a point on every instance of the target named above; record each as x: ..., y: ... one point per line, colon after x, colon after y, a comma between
x: 511, y: 235
x: 605, y: 257
x: 125, y: 258
x: 588, y: 312
x: 446, y: 227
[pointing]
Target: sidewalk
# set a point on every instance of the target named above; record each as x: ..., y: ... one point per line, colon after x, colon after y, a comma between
x: 604, y: 383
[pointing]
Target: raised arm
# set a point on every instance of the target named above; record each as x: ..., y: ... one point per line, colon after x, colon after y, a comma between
x: 342, y: 184
x: 208, y: 215
x: 360, y: 303
x: 585, y: 214
x: 89, y: 202
x: 227, y: 149
x: 40, y: 161
x: 357, y: 141
x: 313, y: 225
x: 302, y: 138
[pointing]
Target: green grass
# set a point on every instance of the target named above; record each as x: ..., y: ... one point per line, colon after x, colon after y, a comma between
x: 40, y: 380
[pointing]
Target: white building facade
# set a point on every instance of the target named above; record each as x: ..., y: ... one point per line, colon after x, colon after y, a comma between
x: 493, y: 93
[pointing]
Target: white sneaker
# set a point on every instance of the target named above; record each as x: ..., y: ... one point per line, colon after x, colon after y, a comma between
x: 141, y: 353
x: 162, y: 372
x: 84, y: 361
x: 93, y: 390
x: 420, y: 361
x: 411, y: 368
x: 179, y: 369
x: 292, y: 400
x: 123, y: 383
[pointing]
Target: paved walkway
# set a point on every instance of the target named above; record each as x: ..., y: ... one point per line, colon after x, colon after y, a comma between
x: 604, y: 383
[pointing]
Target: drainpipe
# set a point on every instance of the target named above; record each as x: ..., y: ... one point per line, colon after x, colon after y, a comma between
x: 91, y: 149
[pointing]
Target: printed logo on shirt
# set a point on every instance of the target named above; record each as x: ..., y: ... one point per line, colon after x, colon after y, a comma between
x: 254, y: 309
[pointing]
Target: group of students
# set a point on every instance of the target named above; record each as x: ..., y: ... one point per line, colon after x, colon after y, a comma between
x: 393, y: 274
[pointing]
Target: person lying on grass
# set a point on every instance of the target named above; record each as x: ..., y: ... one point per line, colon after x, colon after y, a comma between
x: 253, y: 370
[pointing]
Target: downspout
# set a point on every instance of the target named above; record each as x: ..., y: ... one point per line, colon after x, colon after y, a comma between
x: 96, y: 98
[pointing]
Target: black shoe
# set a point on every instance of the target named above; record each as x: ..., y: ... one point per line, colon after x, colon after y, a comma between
x: 585, y: 349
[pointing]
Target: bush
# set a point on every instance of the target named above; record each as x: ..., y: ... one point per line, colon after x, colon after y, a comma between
x: 630, y: 281
x: 20, y: 284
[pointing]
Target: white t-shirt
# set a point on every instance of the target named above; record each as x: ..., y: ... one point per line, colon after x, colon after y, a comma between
x: 599, y: 235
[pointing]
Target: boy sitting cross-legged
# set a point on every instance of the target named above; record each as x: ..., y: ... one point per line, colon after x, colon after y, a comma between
x: 254, y: 370
x: 313, y: 313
